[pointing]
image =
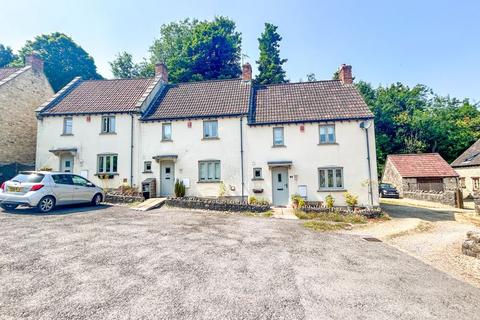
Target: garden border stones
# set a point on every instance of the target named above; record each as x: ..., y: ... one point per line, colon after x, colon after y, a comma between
x: 215, y: 204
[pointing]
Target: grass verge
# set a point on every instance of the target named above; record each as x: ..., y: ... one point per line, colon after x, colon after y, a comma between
x: 324, y: 225
x: 352, y: 218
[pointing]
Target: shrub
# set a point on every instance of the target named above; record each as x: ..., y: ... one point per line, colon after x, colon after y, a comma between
x: 252, y: 200
x: 298, y: 201
x: 351, y: 200
x: 329, y: 201
x: 179, y: 189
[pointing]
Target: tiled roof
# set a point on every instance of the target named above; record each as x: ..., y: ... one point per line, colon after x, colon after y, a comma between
x: 308, y: 101
x: 99, y: 96
x: 6, y: 72
x: 422, y: 165
x: 201, y: 99
x: 471, y: 156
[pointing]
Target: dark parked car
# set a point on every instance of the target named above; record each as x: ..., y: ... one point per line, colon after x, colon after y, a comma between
x: 386, y: 190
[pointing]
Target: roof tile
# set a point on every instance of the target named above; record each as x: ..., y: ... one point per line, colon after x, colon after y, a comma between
x: 422, y: 165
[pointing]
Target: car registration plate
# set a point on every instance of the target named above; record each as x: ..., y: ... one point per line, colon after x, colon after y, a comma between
x: 15, y: 189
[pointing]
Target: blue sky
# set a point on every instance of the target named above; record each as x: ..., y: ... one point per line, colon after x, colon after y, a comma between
x: 436, y: 43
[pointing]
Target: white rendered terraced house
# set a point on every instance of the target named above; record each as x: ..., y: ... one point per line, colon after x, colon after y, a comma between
x: 270, y: 141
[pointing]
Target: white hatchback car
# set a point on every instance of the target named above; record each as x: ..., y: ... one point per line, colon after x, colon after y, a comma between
x: 45, y: 190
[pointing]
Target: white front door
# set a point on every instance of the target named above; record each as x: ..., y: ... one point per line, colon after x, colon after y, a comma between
x: 167, y: 178
x: 66, y: 164
x: 280, y: 192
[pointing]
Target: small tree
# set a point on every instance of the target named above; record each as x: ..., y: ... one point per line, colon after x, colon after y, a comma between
x: 179, y: 189
x: 329, y: 201
x: 351, y: 200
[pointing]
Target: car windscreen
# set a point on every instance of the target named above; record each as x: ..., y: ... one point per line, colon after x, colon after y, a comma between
x: 28, y: 178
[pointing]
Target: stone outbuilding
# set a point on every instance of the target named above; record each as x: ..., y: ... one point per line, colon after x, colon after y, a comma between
x: 467, y: 165
x: 22, y: 91
x: 425, y: 176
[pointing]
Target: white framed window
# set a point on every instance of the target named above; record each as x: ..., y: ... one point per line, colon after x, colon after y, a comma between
x: 107, y: 163
x: 210, y: 129
x: 475, y: 183
x: 147, y: 166
x: 108, y: 124
x: 257, y: 174
x: 330, y: 178
x: 209, y: 170
x: 166, y: 132
x: 327, y: 133
x: 67, y: 125
x: 278, y: 137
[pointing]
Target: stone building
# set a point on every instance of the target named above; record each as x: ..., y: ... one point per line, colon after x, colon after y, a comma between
x: 467, y: 165
x: 425, y: 176
x: 22, y: 90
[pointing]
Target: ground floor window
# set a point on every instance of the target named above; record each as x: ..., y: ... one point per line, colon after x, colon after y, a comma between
x: 330, y: 178
x: 147, y: 166
x: 107, y: 163
x: 476, y: 183
x: 209, y: 170
x: 461, y: 182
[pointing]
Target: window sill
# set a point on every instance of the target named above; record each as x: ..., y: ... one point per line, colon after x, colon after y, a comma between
x: 328, y: 143
x: 257, y: 179
x: 66, y: 134
x: 166, y: 140
x: 107, y: 175
x: 148, y: 171
x: 107, y: 133
x: 212, y: 138
x: 279, y: 146
x: 216, y: 181
x: 332, y: 190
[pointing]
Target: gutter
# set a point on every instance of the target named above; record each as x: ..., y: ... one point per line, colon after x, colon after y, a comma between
x: 241, y: 158
x: 131, y: 150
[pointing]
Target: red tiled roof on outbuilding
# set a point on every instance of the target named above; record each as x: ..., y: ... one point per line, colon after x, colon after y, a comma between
x: 422, y: 165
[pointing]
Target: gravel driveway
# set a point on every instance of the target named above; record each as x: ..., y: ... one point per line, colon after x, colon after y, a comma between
x: 114, y: 263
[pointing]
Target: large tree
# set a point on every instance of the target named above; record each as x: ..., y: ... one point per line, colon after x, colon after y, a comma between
x: 199, y: 50
x: 6, y: 55
x: 124, y: 67
x: 414, y: 120
x: 64, y: 59
x: 270, y: 64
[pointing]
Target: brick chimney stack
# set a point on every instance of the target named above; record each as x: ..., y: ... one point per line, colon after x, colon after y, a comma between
x: 345, y: 74
x: 247, y: 72
x: 35, y: 62
x: 162, y: 71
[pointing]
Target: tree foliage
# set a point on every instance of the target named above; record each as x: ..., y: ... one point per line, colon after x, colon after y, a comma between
x: 269, y: 63
x: 124, y: 67
x: 6, y: 56
x: 64, y: 59
x: 199, y: 50
x: 414, y: 120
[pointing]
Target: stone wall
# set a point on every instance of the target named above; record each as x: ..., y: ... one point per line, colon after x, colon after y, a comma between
x: 19, y: 98
x: 215, y: 204
x: 391, y: 175
x: 446, y: 197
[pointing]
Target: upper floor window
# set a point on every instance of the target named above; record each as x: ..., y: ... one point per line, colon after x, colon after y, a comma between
x: 210, y: 129
x: 67, y: 125
x: 107, y: 163
x: 327, y: 133
x: 166, y: 132
x: 209, y: 170
x: 278, y: 137
x: 108, y: 124
x: 330, y: 178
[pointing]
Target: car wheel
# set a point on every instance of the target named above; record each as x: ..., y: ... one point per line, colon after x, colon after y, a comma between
x: 46, y: 204
x: 9, y: 207
x: 97, y: 199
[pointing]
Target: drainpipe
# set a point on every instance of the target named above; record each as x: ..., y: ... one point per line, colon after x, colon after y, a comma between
x: 241, y: 157
x: 131, y: 151
x: 365, y: 125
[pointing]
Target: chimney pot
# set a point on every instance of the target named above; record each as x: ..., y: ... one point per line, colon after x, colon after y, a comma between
x: 247, y: 72
x: 161, y: 71
x: 34, y: 61
x: 345, y: 74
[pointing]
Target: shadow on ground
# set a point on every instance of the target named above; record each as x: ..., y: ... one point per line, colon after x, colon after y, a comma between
x: 408, y: 211
x: 61, y: 210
